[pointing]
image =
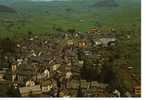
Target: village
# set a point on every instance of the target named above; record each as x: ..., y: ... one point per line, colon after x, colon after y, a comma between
x: 72, y: 64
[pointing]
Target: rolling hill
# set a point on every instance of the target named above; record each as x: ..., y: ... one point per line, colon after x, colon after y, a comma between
x: 6, y: 9
x: 106, y: 3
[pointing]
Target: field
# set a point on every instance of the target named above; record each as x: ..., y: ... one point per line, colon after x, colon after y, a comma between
x: 82, y: 15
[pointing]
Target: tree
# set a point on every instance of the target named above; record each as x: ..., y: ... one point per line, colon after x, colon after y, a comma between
x: 71, y: 30
x: 68, y: 9
x: 8, y: 46
x: 59, y: 29
x: 90, y: 70
x: 11, y: 92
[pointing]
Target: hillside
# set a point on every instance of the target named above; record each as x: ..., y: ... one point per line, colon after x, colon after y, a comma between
x: 106, y: 3
x: 6, y: 9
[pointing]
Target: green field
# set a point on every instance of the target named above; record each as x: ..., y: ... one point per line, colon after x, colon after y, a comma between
x: 81, y: 15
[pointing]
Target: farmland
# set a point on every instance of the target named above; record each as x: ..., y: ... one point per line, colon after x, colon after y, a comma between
x: 40, y: 17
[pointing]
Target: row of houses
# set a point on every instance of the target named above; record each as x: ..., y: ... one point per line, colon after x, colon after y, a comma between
x: 95, y: 88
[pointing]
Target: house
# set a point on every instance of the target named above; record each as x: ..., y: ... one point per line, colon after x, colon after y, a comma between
x: 70, y: 42
x: 90, y: 88
x: 116, y: 93
x: 100, y: 92
x: 55, y: 67
x: 127, y: 94
x: 96, y: 42
x: 25, y: 72
x: 84, y: 84
x: 46, y: 86
x: 87, y: 53
x: 104, y: 39
x: 82, y: 44
x: 74, y: 84
x: 137, y: 91
x: 93, y: 30
x: 99, y: 87
x: 2, y: 72
x: 95, y: 84
x: 81, y: 62
x: 105, y: 42
x: 13, y: 69
x: 34, y: 90
x: 30, y: 83
x: 1, y: 75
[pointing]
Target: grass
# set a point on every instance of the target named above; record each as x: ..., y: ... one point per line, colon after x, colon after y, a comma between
x: 38, y: 20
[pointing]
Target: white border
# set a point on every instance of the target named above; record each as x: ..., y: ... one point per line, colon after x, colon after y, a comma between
x: 143, y: 47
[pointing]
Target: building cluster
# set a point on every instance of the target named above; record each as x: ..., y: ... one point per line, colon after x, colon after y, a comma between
x: 52, y: 67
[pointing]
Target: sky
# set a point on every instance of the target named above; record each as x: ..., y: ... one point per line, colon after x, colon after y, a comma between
x: 48, y: 0
x: 42, y: 0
